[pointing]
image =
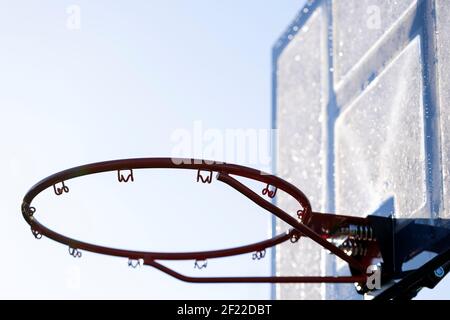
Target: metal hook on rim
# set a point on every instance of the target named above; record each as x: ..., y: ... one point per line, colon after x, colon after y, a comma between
x: 300, y: 214
x: 270, y: 193
x: 60, y: 190
x: 206, y: 179
x: 74, y: 252
x: 134, y: 263
x: 258, y: 255
x: 28, y: 210
x: 199, y: 266
x: 122, y: 178
x: 36, y: 234
x: 294, y: 238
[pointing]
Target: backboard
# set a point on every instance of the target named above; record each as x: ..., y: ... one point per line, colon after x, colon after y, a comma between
x: 360, y: 104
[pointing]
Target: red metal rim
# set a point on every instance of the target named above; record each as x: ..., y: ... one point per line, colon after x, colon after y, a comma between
x: 225, y: 173
x: 160, y: 163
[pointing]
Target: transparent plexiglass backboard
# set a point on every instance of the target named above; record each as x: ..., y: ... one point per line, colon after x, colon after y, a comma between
x: 361, y: 106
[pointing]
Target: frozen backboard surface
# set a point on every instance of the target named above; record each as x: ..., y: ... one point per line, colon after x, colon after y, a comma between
x: 361, y: 94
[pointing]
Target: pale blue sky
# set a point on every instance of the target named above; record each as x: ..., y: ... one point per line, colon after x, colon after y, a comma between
x: 118, y: 88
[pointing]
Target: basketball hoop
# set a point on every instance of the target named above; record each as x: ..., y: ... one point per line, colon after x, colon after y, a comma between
x: 205, y: 169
